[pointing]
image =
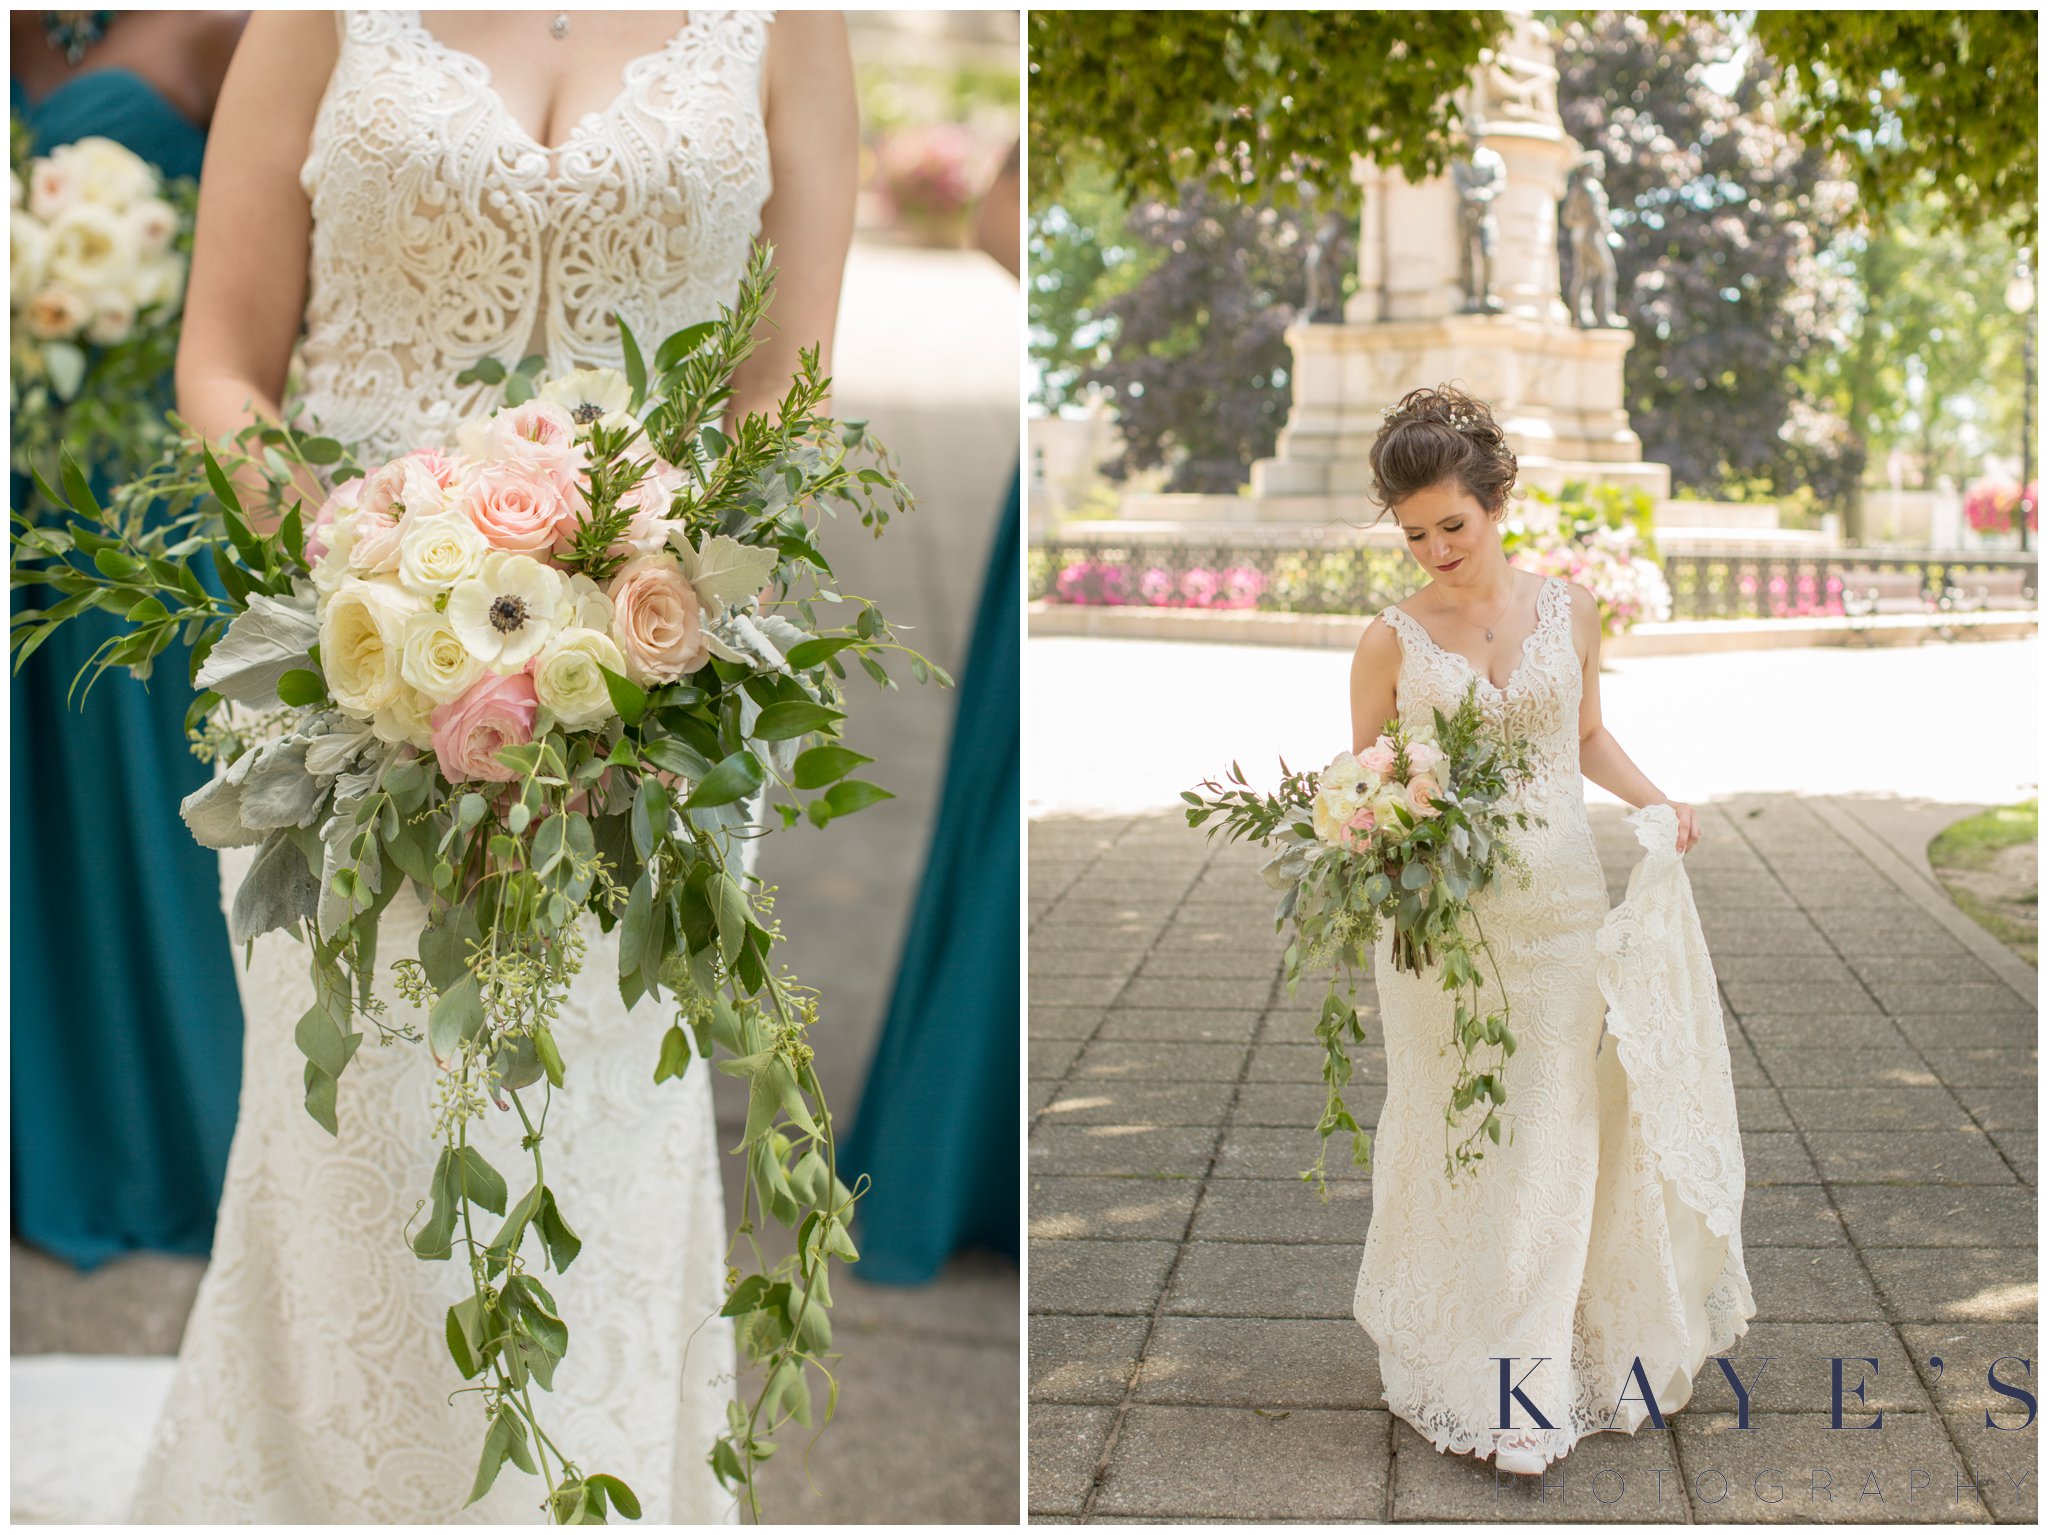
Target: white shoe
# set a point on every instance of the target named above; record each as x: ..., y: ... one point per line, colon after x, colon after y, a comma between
x: 1518, y: 1454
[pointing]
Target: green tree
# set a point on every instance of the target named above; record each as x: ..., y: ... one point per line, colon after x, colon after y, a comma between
x: 1941, y: 103
x: 1080, y: 254
x: 1196, y: 363
x: 1723, y: 219
x: 1251, y: 100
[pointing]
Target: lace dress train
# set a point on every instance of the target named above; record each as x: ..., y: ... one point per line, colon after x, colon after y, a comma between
x: 1580, y: 1247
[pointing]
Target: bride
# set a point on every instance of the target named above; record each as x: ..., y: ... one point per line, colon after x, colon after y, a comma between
x: 402, y: 194
x: 1540, y: 1282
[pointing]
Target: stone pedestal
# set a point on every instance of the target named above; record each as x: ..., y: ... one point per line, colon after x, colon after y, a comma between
x: 1556, y: 389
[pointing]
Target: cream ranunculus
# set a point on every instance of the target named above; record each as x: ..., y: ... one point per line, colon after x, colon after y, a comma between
x: 361, y: 636
x: 154, y: 223
x: 436, y: 552
x: 567, y: 680
x: 90, y: 249
x: 1342, y: 772
x: 585, y: 606
x: 508, y: 611
x: 52, y: 187
x: 28, y: 248
x: 113, y: 317
x: 109, y: 174
x: 405, y: 721
x: 56, y: 313
x: 160, y: 282
x: 434, y: 661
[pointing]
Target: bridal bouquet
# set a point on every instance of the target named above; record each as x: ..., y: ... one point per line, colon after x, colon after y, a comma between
x: 1400, y: 835
x: 538, y: 677
x: 97, y: 245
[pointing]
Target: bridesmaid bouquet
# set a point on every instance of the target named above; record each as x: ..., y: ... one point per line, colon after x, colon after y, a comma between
x: 97, y: 248
x: 1400, y: 835
x: 538, y: 677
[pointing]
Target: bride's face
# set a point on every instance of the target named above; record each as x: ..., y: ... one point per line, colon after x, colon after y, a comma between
x: 1450, y: 534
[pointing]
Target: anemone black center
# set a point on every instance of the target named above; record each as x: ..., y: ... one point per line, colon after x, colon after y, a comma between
x: 586, y: 413
x: 508, y: 613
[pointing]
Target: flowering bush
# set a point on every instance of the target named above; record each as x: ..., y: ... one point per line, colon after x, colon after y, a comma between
x: 926, y: 172
x: 1989, y: 506
x: 1599, y: 540
x: 1806, y: 595
x: 1095, y: 583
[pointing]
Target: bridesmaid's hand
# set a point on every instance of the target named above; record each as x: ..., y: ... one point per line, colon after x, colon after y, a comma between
x: 1688, y: 824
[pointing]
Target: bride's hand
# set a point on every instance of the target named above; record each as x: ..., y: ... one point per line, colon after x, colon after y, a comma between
x: 1688, y: 824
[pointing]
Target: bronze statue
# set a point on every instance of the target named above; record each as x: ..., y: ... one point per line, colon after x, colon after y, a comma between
x: 1589, y: 221
x: 1323, y: 303
x: 1479, y: 179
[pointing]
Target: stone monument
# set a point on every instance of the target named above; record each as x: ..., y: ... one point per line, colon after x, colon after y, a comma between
x: 1438, y: 301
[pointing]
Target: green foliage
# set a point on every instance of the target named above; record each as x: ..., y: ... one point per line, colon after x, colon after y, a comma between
x: 1253, y: 101
x: 1416, y: 881
x: 1919, y: 102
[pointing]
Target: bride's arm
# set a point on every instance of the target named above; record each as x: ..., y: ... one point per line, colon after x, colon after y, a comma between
x: 246, y: 296
x: 1374, y: 667
x: 1600, y: 756
x: 813, y: 152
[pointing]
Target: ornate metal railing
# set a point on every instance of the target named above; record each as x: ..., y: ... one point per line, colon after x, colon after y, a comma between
x: 1734, y: 583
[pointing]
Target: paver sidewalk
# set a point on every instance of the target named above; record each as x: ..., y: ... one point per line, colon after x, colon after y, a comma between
x: 1192, y: 1352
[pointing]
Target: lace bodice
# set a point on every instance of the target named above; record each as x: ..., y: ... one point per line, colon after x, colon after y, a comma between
x: 444, y: 233
x: 1540, y: 701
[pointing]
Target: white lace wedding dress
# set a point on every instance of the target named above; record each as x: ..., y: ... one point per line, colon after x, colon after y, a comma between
x: 1608, y: 1229
x: 313, y: 1384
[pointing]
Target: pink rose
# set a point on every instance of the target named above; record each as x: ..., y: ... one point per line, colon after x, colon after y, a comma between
x: 649, y: 502
x: 657, y: 620
x: 469, y: 733
x: 344, y: 497
x: 517, y: 509
x: 1423, y: 757
x: 1378, y: 759
x: 1421, y: 789
x: 539, y: 436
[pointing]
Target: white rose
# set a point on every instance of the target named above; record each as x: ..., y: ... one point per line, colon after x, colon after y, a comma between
x: 90, y: 248
x: 1342, y: 772
x: 17, y: 195
x: 567, y: 681
x: 52, y: 187
x: 153, y: 222
x: 406, y: 721
x: 434, y: 661
x: 360, y: 638
x: 113, y: 317
x: 56, y: 313
x: 436, y: 552
x: 108, y: 173
x: 28, y: 249
x: 332, y: 569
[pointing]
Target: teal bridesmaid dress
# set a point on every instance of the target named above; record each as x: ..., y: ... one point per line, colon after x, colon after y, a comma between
x: 126, y: 1027
x: 937, y: 1127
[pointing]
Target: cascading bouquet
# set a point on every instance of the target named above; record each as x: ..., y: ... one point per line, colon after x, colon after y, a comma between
x: 97, y: 250
x: 538, y: 677
x: 1404, y: 833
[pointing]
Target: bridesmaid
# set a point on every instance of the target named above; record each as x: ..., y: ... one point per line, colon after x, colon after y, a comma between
x: 937, y: 1128
x: 126, y: 1027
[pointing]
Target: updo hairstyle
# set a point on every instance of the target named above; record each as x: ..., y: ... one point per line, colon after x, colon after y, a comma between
x: 1441, y: 434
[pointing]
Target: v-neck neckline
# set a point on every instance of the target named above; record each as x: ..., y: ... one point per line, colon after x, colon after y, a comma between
x: 489, y: 85
x: 1499, y: 690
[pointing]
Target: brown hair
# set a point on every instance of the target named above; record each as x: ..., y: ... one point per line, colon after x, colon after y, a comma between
x: 1442, y: 434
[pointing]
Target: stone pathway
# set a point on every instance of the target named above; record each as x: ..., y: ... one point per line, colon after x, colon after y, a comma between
x: 1192, y: 1353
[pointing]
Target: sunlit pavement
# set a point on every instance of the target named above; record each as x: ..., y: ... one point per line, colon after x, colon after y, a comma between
x: 1192, y: 1352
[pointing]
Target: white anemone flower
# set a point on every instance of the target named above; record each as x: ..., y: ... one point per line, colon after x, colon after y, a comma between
x: 507, y: 611
x: 592, y: 395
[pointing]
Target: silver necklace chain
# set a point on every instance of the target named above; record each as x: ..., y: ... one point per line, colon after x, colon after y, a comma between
x: 559, y: 27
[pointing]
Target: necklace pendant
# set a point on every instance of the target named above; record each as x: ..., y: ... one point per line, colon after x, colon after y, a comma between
x: 559, y: 27
x: 1489, y: 636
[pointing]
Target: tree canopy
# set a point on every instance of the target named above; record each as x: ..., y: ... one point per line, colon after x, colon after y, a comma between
x: 1945, y: 102
x: 1259, y: 102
